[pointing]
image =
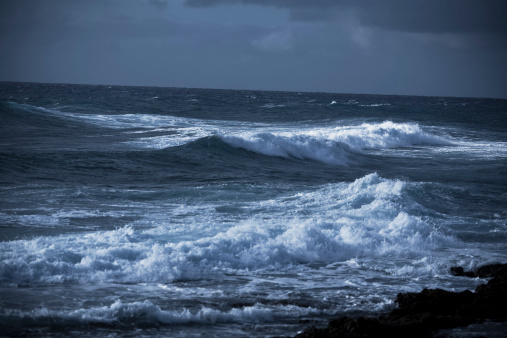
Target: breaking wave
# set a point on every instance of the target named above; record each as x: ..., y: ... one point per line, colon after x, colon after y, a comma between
x: 331, y: 145
x: 370, y: 217
x: 146, y: 312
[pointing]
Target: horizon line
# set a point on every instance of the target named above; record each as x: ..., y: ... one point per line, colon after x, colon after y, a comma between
x: 254, y: 90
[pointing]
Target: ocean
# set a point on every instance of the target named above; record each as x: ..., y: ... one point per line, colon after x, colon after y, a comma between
x: 147, y: 211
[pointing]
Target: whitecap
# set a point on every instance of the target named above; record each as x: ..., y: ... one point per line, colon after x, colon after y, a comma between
x: 332, y: 145
x: 337, y: 222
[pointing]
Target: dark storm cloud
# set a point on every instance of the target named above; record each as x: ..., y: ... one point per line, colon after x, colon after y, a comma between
x: 416, y: 16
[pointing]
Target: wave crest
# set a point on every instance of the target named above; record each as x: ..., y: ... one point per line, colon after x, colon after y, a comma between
x: 146, y: 312
x: 331, y: 145
x: 369, y: 217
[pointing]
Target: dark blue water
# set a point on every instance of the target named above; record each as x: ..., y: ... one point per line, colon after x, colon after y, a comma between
x: 180, y: 212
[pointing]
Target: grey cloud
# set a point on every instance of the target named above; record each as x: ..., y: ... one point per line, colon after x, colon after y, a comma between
x: 159, y: 4
x: 417, y: 16
x: 277, y: 41
x: 54, y: 21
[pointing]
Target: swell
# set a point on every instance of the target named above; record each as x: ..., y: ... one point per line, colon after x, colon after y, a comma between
x: 329, y: 145
x: 26, y: 115
x: 173, y: 148
x: 28, y: 128
x: 341, y: 145
x: 335, y: 145
x: 233, y: 153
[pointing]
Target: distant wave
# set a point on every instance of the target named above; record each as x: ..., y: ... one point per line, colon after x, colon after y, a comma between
x: 27, y: 115
x: 375, y: 105
x: 108, y: 120
x: 331, y: 145
x: 298, y: 146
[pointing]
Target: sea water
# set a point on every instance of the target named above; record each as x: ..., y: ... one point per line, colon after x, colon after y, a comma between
x: 141, y: 211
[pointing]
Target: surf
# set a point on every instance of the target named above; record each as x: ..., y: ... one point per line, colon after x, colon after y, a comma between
x: 333, y: 145
x: 369, y: 217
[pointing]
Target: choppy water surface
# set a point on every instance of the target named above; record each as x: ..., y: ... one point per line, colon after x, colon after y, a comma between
x: 187, y: 212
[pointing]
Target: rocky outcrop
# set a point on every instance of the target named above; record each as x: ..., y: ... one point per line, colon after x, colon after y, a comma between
x: 485, y: 271
x: 422, y: 314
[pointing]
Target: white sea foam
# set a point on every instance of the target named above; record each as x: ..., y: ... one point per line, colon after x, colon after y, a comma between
x: 125, y: 121
x: 49, y: 218
x: 176, y: 137
x: 331, y: 145
x: 328, y: 145
x: 375, y: 105
x: 365, y: 218
x: 120, y: 121
x: 272, y: 105
x: 485, y: 150
x: 287, y: 144
x: 148, y: 313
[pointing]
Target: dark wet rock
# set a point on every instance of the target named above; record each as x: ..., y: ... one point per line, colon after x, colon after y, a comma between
x: 422, y: 314
x: 484, y: 271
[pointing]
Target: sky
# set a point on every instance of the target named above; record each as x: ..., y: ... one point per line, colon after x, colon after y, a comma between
x: 395, y: 47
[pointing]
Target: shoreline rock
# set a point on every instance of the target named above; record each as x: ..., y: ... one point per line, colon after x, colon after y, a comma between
x: 422, y: 314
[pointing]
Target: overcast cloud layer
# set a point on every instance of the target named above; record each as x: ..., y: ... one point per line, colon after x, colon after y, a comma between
x: 419, y: 47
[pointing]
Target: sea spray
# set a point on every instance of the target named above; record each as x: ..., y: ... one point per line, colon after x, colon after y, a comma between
x: 334, y: 223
